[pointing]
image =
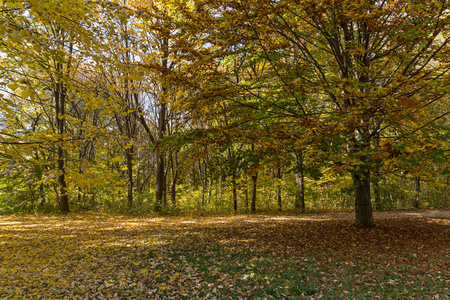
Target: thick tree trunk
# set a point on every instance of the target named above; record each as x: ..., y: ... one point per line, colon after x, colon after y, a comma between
x: 376, y: 192
x: 160, y: 168
x: 300, y: 180
x: 417, y: 190
x: 60, y: 97
x: 64, y: 197
x: 254, y: 186
x: 363, y: 206
x: 376, y: 185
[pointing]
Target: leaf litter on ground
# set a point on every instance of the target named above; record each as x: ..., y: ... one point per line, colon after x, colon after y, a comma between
x: 87, y: 256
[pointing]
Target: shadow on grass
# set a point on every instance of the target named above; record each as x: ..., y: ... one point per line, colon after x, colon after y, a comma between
x: 224, y: 257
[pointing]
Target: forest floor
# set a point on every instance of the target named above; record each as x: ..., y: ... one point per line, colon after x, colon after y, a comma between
x: 311, y: 256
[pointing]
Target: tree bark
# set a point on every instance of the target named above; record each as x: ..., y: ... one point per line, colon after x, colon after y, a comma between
x: 376, y: 192
x: 129, y: 161
x: 446, y: 190
x: 194, y: 182
x: 64, y: 197
x: 202, y: 178
x: 173, y: 187
x: 363, y: 206
x: 279, y: 189
x: 60, y: 97
x: 246, y: 197
x: 159, y: 193
x: 417, y: 190
x: 164, y: 198
x: 209, y: 188
x: 300, y: 180
x: 160, y: 174
x: 220, y: 188
x: 233, y: 181
x: 254, y: 186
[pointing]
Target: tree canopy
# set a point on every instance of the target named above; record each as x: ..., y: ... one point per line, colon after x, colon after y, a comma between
x: 180, y: 99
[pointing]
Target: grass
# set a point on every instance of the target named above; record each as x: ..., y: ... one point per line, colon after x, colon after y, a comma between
x: 230, y: 257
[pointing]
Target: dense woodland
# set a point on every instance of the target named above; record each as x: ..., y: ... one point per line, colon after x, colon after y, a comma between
x: 224, y: 106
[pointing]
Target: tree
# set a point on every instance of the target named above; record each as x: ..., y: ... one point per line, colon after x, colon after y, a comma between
x: 41, y: 63
x: 363, y: 72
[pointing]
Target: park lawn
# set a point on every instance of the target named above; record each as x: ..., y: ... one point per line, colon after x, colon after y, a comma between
x: 87, y: 256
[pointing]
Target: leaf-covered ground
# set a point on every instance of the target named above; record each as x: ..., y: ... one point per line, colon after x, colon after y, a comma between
x: 235, y: 257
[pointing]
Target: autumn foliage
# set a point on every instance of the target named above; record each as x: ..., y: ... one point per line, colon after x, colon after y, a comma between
x: 219, y: 106
x: 221, y: 109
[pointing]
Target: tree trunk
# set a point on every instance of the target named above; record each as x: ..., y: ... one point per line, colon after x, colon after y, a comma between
x: 279, y: 189
x: 129, y: 161
x: 376, y: 192
x: 417, y: 190
x: 220, y: 188
x: 159, y: 193
x: 363, y: 206
x: 376, y: 185
x: 60, y: 97
x: 160, y: 167
x: 246, y: 197
x: 160, y: 174
x: 300, y: 180
x: 64, y: 197
x: 203, y: 194
x: 173, y: 190
x: 42, y: 193
x: 206, y: 183
x: 446, y: 190
x: 173, y: 187
x: 209, y: 188
x: 254, y: 186
x: 202, y: 179
x: 194, y: 182
x: 164, y: 198
x: 233, y: 181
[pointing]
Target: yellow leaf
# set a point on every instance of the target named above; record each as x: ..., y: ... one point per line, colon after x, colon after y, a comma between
x: 117, y: 159
x: 13, y: 86
x: 16, y: 37
x: 26, y: 93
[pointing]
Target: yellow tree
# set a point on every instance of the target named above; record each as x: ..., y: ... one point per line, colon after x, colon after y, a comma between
x: 148, y: 53
x: 43, y: 47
